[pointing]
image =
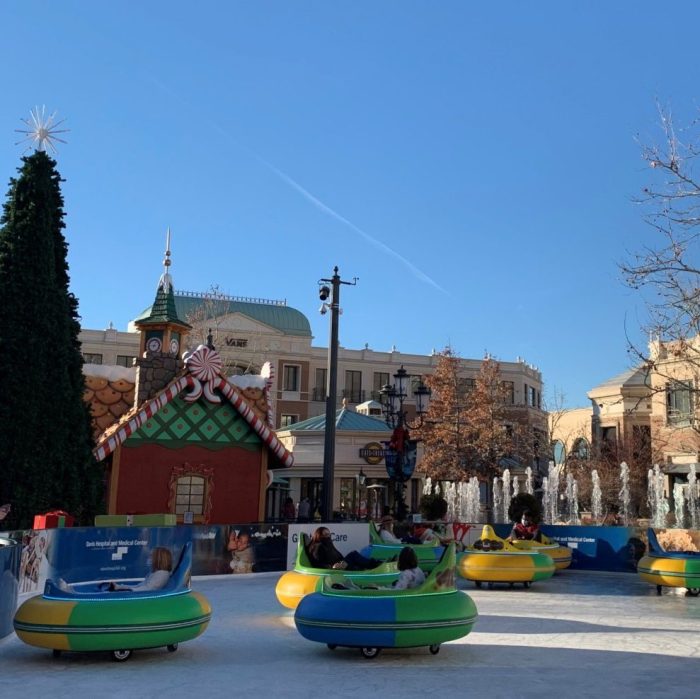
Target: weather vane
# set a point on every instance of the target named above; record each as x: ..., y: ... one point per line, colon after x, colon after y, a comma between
x: 41, y: 130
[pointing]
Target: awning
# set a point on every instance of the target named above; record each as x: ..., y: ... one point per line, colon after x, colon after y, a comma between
x: 679, y: 469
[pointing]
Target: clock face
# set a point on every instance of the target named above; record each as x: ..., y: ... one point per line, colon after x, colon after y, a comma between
x: 153, y: 345
x: 174, y: 346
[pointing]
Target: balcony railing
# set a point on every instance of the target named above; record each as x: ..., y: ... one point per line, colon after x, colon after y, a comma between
x: 318, y: 394
x: 353, y: 396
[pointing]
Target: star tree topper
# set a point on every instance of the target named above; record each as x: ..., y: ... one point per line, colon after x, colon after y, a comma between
x: 41, y: 130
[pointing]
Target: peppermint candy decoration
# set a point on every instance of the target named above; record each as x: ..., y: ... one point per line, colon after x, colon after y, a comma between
x: 204, y: 364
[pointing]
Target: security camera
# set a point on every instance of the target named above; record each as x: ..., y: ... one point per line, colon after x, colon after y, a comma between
x: 324, y: 309
x: 324, y: 292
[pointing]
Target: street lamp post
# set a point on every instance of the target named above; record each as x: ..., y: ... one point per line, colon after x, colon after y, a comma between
x: 333, y: 293
x: 361, y: 478
x: 400, y: 452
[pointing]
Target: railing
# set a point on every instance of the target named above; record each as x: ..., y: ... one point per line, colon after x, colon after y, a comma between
x: 216, y: 296
x: 353, y: 396
x: 318, y: 394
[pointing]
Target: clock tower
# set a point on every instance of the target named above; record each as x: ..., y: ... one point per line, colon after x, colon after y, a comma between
x: 162, y: 336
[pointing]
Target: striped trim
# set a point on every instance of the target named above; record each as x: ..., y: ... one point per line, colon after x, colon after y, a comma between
x: 269, y: 438
x: 116, y: 596
x: 395, y: 625
x: 105, y: 448
x: 258, y: 425
x: 669, y: 574
x: 132, y: 628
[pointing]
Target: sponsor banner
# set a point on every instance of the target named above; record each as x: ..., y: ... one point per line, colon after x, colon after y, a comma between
x: 595, y: 548
x: 82, y: 554
x: 37, y: 556
x: 346, y: 537
x: 239, y: 548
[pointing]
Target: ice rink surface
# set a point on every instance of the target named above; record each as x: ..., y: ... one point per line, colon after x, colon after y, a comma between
x: 579, y: 634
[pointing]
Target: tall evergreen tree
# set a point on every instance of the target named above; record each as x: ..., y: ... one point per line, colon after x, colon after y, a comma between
x: 46, y: 445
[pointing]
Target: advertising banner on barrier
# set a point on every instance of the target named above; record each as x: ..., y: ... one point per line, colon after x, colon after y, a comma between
x: 37, y: 558
x: 345, y: 536
x: 595, y: 548
x: 111, y: 553
x: 118, y: 553
x: 239, y: 548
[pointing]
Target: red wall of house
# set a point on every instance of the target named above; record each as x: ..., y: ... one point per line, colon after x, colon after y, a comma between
x: 144, y: 480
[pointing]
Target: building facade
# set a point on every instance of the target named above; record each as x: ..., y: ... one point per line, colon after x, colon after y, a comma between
x: 649, y: 411
x: 250, y: 334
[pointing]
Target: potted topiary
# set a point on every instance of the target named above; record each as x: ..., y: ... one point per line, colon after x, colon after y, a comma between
x: 433, y: 507
x: 524, y: 501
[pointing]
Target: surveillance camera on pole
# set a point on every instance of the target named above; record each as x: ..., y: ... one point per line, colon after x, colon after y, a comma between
x: 325, y: 293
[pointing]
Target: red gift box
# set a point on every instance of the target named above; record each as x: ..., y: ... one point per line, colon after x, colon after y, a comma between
x: 53, y: 519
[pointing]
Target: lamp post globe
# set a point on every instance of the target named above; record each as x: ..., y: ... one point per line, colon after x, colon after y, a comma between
x: 400, y: 452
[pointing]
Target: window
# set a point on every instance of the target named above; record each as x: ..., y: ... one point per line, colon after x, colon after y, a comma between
x: 580, y: 449
x: 380, y: 380
x: 287, y: 420
x: 90, y: 358
x: 508, y: 388
x: 349, y: 504
x: 320, y: 384
x: 191, y: 487
x: 530, y: 396
x: 558, y: 452
x: 466, y: 385
x: 290, y: 377
x: 353, y: 387
x: 190, y: 495
x: 641, y: 443
x: 679, y: 402
x: 125, y: 360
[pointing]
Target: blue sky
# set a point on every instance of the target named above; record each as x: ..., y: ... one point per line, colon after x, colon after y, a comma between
x: 473, y: 164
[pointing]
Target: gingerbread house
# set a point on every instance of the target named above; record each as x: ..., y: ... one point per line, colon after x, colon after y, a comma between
x: 176, y: 435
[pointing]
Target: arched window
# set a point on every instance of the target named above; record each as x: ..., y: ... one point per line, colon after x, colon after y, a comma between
x: 189, y: 496
x: 191, y: 489
x: 558, y: 452
x: 581, y: 449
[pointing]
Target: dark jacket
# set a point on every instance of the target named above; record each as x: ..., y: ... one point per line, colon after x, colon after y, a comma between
x: 323, y: 554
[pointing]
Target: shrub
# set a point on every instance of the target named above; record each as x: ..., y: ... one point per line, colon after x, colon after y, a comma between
x: 522, y: 502
x: 433, y: 507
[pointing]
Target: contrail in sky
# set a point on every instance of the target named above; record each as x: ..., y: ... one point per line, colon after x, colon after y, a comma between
x: 132, y: 50
x: 334, y: 214
x: 314, y: 200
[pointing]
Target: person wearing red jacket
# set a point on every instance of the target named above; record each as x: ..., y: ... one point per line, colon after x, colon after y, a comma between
x: 525, y: 529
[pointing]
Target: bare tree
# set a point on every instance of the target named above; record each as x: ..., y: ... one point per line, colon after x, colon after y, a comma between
x: 669, y: 269
x: 207, y: 319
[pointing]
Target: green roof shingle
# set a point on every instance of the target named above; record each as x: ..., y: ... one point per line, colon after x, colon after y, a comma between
x: 284, y: 318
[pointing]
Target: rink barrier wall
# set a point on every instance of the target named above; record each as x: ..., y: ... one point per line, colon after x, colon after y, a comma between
x: 93, y: 553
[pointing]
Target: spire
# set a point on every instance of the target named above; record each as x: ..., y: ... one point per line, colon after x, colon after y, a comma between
x: 166, y: 281
x: 163, y: 309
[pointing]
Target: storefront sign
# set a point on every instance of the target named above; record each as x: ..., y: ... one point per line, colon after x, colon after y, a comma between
x: 372, y: 453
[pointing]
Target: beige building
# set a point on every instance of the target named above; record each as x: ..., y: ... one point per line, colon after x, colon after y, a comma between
x: 620, y: 413
x: 650, y: 410
x: 248, y: 333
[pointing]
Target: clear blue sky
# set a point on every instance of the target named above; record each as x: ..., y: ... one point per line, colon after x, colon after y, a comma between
x: 472, y: 163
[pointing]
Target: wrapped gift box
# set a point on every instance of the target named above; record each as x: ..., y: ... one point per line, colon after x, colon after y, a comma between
x: 51, y: 520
